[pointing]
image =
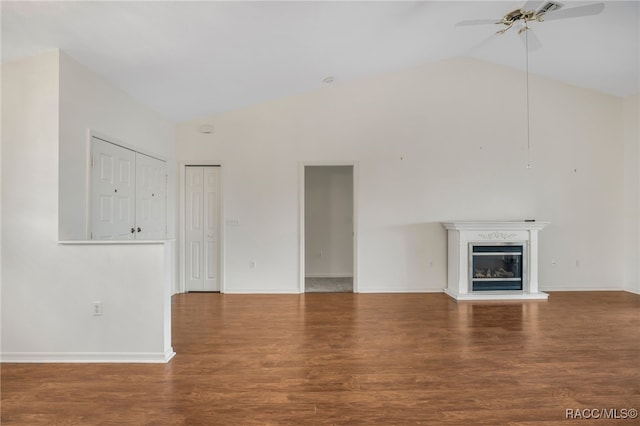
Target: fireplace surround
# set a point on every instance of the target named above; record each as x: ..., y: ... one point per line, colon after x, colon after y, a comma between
x: 493, y: 260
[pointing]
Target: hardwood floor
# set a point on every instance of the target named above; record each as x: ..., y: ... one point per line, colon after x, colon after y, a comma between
x: 356, y: 359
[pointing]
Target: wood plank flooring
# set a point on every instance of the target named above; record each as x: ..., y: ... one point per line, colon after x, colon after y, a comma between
x: 355, y: 359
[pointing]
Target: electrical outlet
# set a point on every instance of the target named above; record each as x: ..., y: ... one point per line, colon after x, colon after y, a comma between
x: 553, y: 262
x: 96, y: 309
x: 252, y: 264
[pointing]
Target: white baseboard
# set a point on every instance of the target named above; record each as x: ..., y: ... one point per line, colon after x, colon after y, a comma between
x: 402, y: 290
x: 582, y: 289
x: 422, y: 290
x: 330, y: 275
x: 262, y: 291
x: 87, y: 357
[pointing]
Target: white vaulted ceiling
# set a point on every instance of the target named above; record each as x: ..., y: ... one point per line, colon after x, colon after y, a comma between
x: 190, y: 59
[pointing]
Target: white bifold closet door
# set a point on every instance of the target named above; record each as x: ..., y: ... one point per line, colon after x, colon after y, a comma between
x: 151, y: 198
x: 113, y: 191
x: 202, y: 228
x: 128, y: 194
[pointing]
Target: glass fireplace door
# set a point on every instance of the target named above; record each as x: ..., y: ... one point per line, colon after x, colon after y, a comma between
x: 496, y: 267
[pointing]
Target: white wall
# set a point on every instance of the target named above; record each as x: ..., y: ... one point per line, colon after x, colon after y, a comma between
x: 87, y: 101
x: 47, y: 288
x: 632, y: 192
x: 440, y: 142
x: 328, y: 221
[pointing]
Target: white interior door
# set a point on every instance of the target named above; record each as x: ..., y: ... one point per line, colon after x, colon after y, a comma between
x: 151, y: 198
x: 112, y: 191
x: 202, y: 227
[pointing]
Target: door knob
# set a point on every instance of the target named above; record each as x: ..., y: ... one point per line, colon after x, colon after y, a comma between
x: 139, y: 230
x: 133, y: 230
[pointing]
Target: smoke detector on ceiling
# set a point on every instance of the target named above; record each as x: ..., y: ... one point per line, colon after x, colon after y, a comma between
x: 207, y: 129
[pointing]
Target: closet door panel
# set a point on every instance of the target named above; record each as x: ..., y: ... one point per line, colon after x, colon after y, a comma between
x: 112, y: 195
x: 151, y: 198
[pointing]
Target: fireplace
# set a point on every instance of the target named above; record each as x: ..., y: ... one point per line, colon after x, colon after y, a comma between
x: 493, y: 260
x: 496, y: 267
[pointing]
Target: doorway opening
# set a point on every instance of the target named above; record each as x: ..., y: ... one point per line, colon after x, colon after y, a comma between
x: 328, y: 231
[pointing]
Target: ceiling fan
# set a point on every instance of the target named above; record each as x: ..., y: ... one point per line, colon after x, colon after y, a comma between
x: 537, y: 11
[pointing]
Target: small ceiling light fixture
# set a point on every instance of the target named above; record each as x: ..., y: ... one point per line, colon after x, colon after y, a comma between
x: 328, y: 80
x: 207, y: 129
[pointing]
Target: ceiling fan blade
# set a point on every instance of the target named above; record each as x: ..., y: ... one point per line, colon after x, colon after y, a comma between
x: 481, y: 44
x: 574, y: 12
x: 477, y: 22
x: 530, y: 39
x: 531, y: 5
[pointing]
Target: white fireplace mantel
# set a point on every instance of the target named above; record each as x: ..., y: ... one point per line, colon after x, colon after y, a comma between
x: 462, y: 234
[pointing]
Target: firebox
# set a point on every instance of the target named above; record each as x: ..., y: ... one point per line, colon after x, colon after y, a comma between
x: 496, y: 266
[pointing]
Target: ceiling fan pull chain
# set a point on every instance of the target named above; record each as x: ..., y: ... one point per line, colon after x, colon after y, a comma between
x: 526, y: 48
